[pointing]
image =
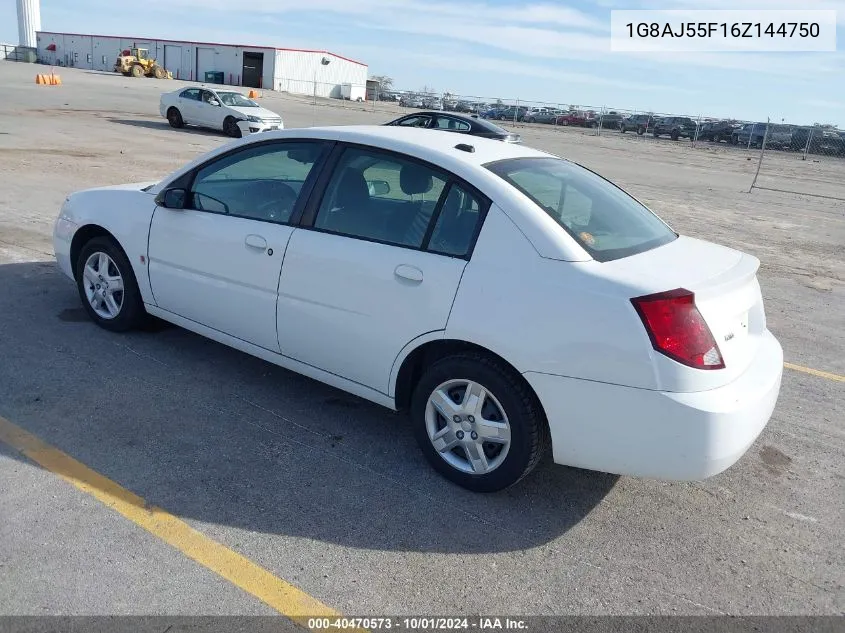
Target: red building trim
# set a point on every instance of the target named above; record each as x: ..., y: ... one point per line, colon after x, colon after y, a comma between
x: 159, y: 39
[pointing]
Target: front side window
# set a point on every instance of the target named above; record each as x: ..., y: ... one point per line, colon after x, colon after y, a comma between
x: 381, y: 197
x: 261, y: 183
x: 608, y: 223
x: 207, y: 96
x: 415, y: 121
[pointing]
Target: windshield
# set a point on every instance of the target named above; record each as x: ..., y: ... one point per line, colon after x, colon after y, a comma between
x: 608, y: 223
x: 236, y: 99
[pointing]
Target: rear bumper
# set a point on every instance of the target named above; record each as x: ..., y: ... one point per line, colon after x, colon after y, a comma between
x: 661, y: 435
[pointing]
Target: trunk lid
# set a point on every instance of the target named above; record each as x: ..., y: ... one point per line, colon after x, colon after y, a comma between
x: 727, y: 294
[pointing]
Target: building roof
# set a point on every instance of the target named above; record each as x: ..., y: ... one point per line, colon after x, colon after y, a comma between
x: 160, y: 39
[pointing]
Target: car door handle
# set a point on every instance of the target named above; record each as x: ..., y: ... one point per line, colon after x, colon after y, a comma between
x: 411, y: 273
x: 256, y: 241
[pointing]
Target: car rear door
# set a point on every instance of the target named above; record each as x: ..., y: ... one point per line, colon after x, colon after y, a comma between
x: 187, y: 103
x: 370, y: 272
x: 217, y: 261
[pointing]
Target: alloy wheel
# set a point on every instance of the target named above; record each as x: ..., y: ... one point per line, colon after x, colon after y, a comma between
x: 467, y: 426
x: 103, y: 285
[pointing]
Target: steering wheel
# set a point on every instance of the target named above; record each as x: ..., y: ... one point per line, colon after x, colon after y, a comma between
x: 279, y: 202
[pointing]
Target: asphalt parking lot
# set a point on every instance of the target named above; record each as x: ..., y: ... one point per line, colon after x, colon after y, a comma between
x: 329, y: 493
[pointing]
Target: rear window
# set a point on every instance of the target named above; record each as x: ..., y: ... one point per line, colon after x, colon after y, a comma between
x: 607, y: 222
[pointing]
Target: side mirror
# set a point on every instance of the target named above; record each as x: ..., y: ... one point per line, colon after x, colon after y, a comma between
x: 172, y: 198
x: 378, y: 187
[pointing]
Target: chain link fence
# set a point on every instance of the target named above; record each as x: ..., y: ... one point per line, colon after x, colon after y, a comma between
x: 807, y: 160
x: 801, y: 159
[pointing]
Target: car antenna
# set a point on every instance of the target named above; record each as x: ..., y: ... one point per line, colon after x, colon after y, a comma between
x: 465, y: 147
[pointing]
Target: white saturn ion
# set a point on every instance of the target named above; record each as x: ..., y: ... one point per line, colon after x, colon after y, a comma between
x: 505, y: 297
x: 226, y: 110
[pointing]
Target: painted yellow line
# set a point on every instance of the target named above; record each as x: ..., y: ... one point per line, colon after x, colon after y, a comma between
x: 282, y: 596
x: 815, y: 372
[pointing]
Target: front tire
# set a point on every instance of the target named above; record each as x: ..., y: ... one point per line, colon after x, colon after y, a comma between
x: 477, y: 422
x: 230, y: 127
x: 137, y: 71
x: 107, y: 286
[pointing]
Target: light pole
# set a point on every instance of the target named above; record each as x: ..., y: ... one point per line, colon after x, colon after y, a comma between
x: 324, y: 61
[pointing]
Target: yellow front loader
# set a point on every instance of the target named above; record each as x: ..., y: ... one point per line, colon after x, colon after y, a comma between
x: 136, y: 62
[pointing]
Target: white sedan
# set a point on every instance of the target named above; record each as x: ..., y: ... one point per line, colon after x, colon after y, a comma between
x: 226, y: 110
x: 505, y: 297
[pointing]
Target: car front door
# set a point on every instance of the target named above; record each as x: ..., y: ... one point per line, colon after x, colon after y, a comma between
x: 217, y: 261
x: 210, y: 115
x: 376, y: 264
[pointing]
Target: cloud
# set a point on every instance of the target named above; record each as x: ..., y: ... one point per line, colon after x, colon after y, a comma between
x: 824, y: 103
x: 836, y: 5
x: 499, y: 66
x: 407, y: 10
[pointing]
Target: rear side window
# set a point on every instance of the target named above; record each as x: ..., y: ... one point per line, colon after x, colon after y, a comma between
x: 457, y: 223
x: 450, y: 123
x: 607, y: 222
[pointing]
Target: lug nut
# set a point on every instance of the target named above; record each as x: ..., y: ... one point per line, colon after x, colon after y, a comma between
x: 456, y: 418
x: 474, y: 435
x: 471, y: 419
x: 459, y: 435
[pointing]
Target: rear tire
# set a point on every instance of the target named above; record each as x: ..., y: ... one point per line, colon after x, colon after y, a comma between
x: 101, y: 266
x: 174, y: 117
x: 674, y: 135
x: 510, y: 410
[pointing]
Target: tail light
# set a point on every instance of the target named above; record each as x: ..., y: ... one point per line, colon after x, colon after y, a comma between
x: 677, y: 329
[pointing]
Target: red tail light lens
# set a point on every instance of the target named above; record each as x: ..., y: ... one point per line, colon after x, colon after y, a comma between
x: 677, y: 329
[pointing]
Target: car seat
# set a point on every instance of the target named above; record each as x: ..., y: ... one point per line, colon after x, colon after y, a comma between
x: 348, y: 205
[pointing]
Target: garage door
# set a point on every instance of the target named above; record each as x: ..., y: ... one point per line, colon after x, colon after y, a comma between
x: 173, y: 59
x: 205, y: 62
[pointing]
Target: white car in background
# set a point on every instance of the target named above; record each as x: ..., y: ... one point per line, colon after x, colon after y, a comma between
x: 217, y: 109
x: 504, y: 296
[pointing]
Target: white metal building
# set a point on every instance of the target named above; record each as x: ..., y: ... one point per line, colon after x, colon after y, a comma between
x: 289, y: 70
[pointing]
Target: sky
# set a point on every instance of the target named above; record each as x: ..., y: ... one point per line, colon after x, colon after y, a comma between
x: 551, y: 51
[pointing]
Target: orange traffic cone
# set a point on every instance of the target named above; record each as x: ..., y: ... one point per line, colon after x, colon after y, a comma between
x: 253, y: 94
x: 55, y: 80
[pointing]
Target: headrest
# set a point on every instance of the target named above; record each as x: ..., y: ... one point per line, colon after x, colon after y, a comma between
x: 413, y: 180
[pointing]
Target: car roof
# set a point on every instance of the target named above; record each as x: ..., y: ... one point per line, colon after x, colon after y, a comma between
x: 432, y: 145
x: 475, y: 121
